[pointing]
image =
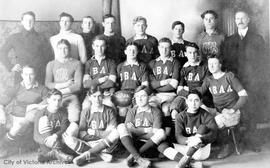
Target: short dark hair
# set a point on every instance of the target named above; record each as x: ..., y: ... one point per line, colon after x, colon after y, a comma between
x: 132, y: 44
x: 64, y: 41
x: 165, y: 40
x: 89, y: 17
x: 209, y: 56
x: 93, y: 89
x: 108, y: 16
x: 178, y: 23
x: 138, y: 19
x: 31, y: 13
x: 64, y: 14
x: 194, y: 91
x: 54, y: 92
x: 194, y: 45
x: 29, y: 66
x: 214, y: 13
x: 100, y: 37
x: 143, y: 87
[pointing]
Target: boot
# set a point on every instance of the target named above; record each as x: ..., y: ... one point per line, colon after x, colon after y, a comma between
x: 142, y: 162
x: 7, y: 147
x: 130, y: 161
x: 55, y: 154
x: 81, y: 159
x: 60, y: 155
x: 106, y: 157
x: 224, y: 152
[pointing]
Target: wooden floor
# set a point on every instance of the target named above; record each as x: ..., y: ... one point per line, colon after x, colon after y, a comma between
x: 247, y: 159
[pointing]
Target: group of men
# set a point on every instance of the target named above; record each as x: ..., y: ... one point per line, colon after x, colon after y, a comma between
x: 74, y: 116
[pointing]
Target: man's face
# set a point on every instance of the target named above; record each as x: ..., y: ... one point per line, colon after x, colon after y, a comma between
x: 214, y: 65
x: 28, y: 76
x: 191, y: 54
x: 96, y: 98
x: 87, y: 25
x: 54, y: 102
x: 178, y: 31
x: 209, y: 21
x: 28, y: 22
x: 241, y: 20
x: 131, y: 52
x: 193, y: 102
x: 65, y: 23
x: 109, y: 24
x: 140, y: 27
x: 63, y: 51
x: 141, y: 98
x: 99, y: 47
x: 164, y: 49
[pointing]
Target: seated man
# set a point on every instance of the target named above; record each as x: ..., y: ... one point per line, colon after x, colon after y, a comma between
x: 100, y: 71
x: 195, y: 130
x: 164, y: 79
x: 131, y: 73
x: 65, y: 74
x: 143, y: 125
x: 77, y: 48
x: 228, y: 97
x: 50, y: 123
x: 191, y: 77
x: 97, y: 130
x: 19, y: 113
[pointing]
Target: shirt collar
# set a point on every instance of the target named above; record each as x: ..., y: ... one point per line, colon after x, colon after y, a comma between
x: 144, y: 37
x: 243, y: 32
x: 215, y: 32
x: 98, y: 110
x: 65, y: 32
x: 166, y: 59
x: 94, y: 58
x: 133, y: 63
x: 139, y: 111
x: 187, y: 64
x: 179, y: 42
x: 35, y: 85
x: 26, y: 32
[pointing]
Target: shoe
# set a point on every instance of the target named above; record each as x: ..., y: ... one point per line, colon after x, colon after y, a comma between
x: 46, y: 157
x: 3, y: 152
x: 143, y: 163
x: 196, y: 164
x: 225, y: 152
x: 106, y: 157
x: 81, y: 159
x: 130, y: 161
x: 55, y: 154
x: 185, y: 160
x: 60, y: 155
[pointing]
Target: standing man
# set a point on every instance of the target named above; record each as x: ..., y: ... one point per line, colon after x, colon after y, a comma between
x: 78, y: 50
x: 210, y: 40
x: 88, y: 34
x: 147, y: 44
x: 30, y: 47
x: 115, y: 43
x: 178, y: 43
x: 244, y: 53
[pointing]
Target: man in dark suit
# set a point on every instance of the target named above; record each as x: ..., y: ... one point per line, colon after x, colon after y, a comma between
x: 244, y: 55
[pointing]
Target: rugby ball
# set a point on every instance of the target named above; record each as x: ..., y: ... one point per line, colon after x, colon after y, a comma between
x: 122, y: 98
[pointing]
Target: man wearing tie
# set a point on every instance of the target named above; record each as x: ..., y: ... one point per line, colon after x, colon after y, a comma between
x: 244, y: 55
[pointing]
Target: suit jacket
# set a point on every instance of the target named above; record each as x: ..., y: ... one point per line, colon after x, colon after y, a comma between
x: 245, y: 57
